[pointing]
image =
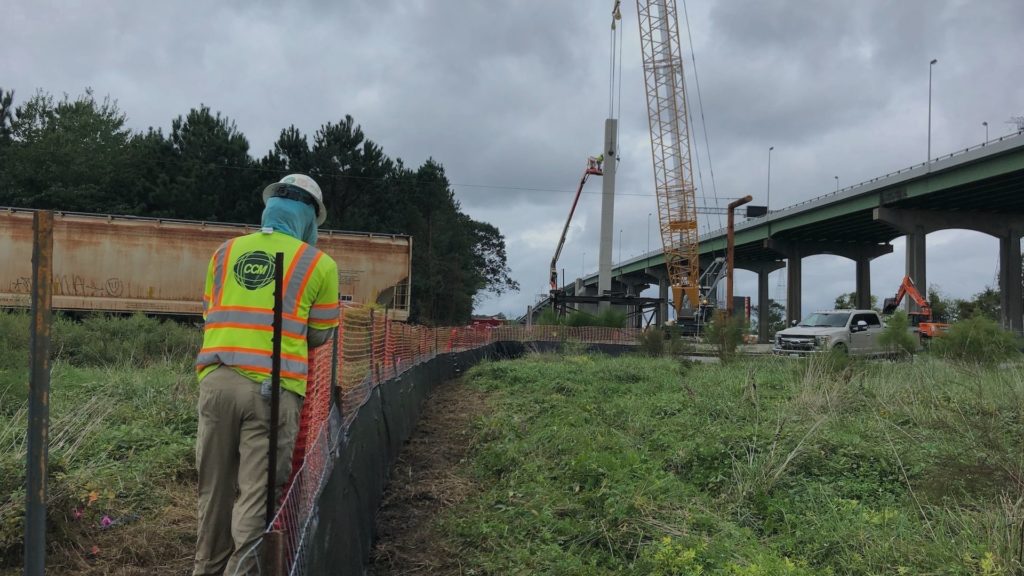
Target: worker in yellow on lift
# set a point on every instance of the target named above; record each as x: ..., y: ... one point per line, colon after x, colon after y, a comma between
x: 234, y: 367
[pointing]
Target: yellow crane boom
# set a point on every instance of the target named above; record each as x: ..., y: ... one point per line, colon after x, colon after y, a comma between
x: 670, y: 146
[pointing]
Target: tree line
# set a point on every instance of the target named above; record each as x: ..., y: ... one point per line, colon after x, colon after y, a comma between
x: 77, y: 154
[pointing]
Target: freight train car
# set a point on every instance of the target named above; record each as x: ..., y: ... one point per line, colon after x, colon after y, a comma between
x: 157, y: 266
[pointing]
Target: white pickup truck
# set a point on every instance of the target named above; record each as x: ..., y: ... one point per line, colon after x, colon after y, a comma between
x: 846, y: 331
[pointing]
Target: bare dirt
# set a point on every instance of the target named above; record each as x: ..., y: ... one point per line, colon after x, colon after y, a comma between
x: 425, y: 484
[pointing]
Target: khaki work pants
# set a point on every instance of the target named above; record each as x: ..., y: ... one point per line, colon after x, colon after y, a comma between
x: 231, y: 456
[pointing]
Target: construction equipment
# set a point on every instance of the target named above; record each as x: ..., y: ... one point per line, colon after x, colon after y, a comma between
x: 921, y: 319
x: 593, y: 168
x: 670, y: 147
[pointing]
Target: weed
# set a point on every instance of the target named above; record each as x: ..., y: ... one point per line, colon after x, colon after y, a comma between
x: 897, y: 336
x: 652, y: 342
x: 977, y: 341
x: 592, y: 465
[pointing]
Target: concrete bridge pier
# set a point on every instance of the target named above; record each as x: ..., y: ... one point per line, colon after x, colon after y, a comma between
x: 1008, y: 228
x: 1010, y: 280
x: 762, y: 269
x: 863, y: 289
x: 915, y: 267
x: 794, y: 252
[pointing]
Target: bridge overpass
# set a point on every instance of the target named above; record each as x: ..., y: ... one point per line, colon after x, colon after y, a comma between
x: 979, y: 188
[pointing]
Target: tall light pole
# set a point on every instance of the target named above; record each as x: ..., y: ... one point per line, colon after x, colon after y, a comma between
x: 985, y: 124
x: 583, y: 264
x: 620, y: 245
x: 768, y: 200
x: 837, y: 184
x: 930, y: 66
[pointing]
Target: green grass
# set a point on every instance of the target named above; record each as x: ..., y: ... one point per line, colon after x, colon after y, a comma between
x: 122, y: 426
x: 593, y: 465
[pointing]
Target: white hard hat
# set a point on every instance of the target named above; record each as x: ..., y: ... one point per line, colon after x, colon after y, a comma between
x: 306, y: 183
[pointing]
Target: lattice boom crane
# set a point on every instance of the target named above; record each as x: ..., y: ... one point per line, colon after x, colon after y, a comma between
x: 670, y: 146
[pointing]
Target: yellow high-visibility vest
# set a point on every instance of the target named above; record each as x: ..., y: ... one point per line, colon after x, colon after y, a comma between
x: 238, y: 306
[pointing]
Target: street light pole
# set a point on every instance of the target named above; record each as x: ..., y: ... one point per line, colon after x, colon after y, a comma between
x: 930, y: 66
x: 985, y: 124
x: 620, y: 245
x: 768, y: 200
x: 837, y: 184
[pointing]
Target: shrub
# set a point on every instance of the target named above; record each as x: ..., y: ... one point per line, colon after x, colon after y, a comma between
x: 652, y: 342
x: 14, y: 331
x: 610, y: 318
x: 897, y: 336
x: 977, y: 341
x: 100, y: 340
x: 549, y: 318
x: 725, y: 334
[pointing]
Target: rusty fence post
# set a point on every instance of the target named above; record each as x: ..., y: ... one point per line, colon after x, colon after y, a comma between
x: 275, y: 557
x: 39, y: 393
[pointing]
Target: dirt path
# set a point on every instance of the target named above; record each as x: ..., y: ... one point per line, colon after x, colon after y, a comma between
x: 424, y: 485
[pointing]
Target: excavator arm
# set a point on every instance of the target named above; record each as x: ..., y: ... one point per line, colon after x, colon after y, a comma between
x: 593, y: 167
x: 907, y: 288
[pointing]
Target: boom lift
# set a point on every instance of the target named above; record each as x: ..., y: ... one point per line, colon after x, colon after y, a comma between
x: 593, y: 168
x: 922, y: 318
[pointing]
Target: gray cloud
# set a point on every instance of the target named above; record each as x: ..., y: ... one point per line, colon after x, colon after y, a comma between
x: 511, y: 96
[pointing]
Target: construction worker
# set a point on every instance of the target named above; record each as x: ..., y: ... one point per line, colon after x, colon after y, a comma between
x: 234, y: 367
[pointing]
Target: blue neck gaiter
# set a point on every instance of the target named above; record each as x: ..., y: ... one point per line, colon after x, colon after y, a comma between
x: 291, y: 217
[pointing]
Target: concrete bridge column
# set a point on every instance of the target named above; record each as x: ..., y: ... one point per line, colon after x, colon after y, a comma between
x: 863, y: 282
x: 764, y: 307
x: 763, y: 269
x: 1010, y: 289
x: 794, y: 288
x: 916, y: 245
x: 1007, y: 227
x: 862, y: 254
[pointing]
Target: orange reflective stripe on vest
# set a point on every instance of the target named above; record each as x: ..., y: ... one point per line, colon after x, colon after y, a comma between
x: 220, y: 270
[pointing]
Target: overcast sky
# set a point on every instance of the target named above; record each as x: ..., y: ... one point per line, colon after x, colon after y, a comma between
x: 511, y: 97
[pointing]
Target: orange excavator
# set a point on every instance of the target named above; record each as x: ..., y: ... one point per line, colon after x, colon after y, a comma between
x: 920, y: 319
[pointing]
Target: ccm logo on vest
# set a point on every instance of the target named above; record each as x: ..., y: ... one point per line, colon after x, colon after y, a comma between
x: 254, y: 270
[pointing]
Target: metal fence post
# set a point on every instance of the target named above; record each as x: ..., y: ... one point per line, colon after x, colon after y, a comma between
x: 39, y: 394
x: 275, y: 385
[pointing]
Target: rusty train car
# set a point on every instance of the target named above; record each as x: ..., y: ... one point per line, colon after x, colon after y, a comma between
x: 157, y: 266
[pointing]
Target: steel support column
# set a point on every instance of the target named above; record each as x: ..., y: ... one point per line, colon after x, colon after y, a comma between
x: 1010, y: 280
x: 663, y: 296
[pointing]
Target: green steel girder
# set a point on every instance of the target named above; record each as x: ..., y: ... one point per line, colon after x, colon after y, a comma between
x: 994, y: 183
x: 966, y: 175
